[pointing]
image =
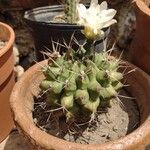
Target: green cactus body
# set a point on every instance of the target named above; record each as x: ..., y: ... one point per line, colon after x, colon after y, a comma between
x: 98, y: 60
x: 100, y: 76
x: 82, y: 67
x: 58, y: 62
x: 73, y: 112
x: 81, y: 97
x: 52, y: 72
x: 67, y: 101
x: 114, y: 65
x: 64, y: 75
x: 71, y: 11
x: 115, y: 76
x: 81, y: 87
x: 52, y: 99
x: 82, y: 81
x: 70, y: 84
x: 56, y: 87
x: 117, y: 86
x: 92, y: 105
x: 45, y: 85
x: 108, y: 92
x: 94, y: 89
x: 91, y: 73
x: 75, y: 69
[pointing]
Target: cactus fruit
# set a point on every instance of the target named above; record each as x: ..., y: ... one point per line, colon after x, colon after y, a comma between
x: 81, y: 86
x: 71, y: 11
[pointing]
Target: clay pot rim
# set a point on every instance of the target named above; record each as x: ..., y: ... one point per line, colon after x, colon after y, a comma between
x: 36, y: 132
x: 142, y: 6
x: 10, y: 41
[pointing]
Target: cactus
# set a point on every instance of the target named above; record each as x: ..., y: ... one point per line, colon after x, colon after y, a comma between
x: 81, y: 81
x: 81, y: 86
x: 71, y: 11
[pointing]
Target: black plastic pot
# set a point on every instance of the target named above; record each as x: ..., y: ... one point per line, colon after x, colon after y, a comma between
x: 44, y: 31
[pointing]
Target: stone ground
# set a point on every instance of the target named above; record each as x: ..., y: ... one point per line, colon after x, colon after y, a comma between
x: 14, y: 142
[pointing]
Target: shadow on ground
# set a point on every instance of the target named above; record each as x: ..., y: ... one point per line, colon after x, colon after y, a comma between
x: 15, y: 142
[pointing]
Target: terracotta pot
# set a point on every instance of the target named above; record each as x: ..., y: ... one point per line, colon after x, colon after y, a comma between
x: 7, y: 79
x: 22, y: 102
x: 140, y: 47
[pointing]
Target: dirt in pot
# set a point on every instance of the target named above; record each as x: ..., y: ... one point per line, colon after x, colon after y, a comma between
x: 2, y: 44
x: 117, y: 121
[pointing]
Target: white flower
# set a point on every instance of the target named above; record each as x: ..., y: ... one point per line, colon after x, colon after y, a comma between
x: 95, y: 18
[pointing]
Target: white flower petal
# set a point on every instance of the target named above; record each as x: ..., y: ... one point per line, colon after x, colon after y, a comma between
x: 109, y: 13
x: 94, y: 3
x: 109, y: 23
x: 81, y: 10
x: 103, y: 6
x: 93, y: 6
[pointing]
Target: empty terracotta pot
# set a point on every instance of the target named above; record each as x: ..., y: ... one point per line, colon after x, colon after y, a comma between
x: 7, y: 79
x: 140, y: 47
x: 22, y: 102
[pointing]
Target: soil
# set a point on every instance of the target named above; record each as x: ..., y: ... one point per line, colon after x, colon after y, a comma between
x: 2, y: 44
x: 115, y: 122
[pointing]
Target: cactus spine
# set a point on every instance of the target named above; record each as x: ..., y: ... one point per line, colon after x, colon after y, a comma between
x: 71, y: 11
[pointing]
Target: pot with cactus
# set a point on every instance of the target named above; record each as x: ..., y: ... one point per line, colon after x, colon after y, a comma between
x: 83, y: 100
x: 59, y: 22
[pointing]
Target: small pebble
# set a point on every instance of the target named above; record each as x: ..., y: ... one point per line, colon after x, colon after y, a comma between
x: 19, y: 71
x: 108, y: 137
x: 2, y: 44
x: 16, y: 54
x: 35, y: 120
x: 115, y: 128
